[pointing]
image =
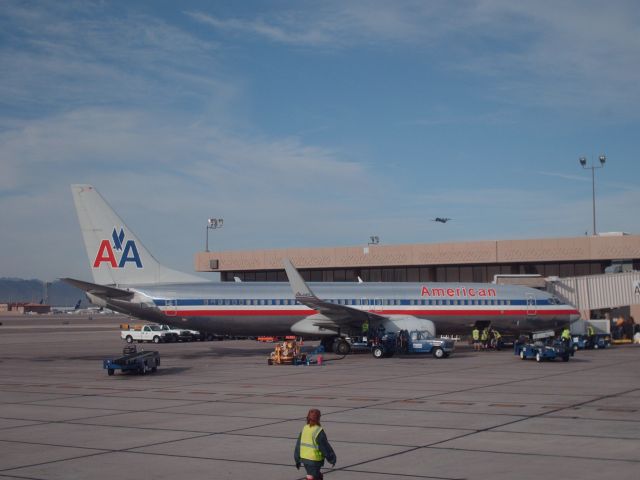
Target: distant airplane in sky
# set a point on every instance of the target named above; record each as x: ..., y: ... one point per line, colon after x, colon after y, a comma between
x: 441, y: 219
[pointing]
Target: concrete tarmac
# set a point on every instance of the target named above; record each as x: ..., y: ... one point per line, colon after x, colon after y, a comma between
x: 216, y: 410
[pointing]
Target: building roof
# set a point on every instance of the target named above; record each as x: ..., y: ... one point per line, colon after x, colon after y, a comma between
x: 586, y: 248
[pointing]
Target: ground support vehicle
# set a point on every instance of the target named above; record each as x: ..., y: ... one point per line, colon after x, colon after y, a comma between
x: 414, y: 342
x: 287, y: 353
x: 133, y: 361
x: 180, y: 334
x: 144, y: 333
x: 544, y: 351
x: 601, y: 340
x: 340, y: 345
x: 586, y: 342
x: 359, y: 344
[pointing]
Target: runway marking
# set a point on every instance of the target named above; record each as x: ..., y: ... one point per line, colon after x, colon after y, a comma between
x: 612, y: 409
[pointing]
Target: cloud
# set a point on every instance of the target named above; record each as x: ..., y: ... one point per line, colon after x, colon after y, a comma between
x: 176, y: 173
x: 341, y: 24
x: 580, y: 55
x: 55, y: 57
x: 259, y: 27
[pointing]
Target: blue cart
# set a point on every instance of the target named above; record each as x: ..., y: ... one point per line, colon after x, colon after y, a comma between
x: 133, y: 362
x: 414, y: 342
x: 544, y: 351
x: 585, y: 342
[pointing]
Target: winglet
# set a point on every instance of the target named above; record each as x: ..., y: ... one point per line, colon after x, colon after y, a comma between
x: 298, y: 285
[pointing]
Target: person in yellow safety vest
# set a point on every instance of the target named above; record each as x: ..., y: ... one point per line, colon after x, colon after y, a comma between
x: 565, y: 336
x: 591, y: 335
x: 495, y: 341
x: 475, y: 334
x: 484, y: 337
x: 312, y: 447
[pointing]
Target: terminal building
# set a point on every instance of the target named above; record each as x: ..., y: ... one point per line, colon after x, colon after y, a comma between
x: 534, y: 262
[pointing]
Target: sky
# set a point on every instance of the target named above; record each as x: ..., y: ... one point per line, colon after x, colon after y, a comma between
x: 314, y: 124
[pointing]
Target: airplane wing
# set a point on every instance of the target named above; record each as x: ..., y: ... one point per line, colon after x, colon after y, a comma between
x: 101, y: 291
x: 330, y: 315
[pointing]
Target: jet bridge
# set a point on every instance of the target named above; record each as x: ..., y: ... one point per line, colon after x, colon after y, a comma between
x: 594, y: 292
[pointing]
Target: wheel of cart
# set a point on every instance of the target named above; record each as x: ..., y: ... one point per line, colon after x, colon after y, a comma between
x: 377, y: 351
x: 438, y: 352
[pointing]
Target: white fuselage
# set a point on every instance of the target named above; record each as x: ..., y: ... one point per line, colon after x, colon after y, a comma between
x: 254, y: 308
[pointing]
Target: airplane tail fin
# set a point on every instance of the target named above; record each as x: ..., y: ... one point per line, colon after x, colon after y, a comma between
x: 116, y: 255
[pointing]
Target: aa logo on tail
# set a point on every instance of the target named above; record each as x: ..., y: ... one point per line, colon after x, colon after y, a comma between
x: 128, y: 252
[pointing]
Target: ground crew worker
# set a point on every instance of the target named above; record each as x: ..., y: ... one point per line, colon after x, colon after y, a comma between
x: 591, y: 335
x: 475, y: 334
x: 565, y: 336
x: 496, y: 339
x: 365, y: 329
x: 313, y: 447
x: 484, y: 337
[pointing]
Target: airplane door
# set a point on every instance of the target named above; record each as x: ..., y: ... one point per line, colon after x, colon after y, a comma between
x: 531, y: 304
x: 172, y: 307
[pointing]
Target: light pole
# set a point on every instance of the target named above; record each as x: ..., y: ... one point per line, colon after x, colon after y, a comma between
x: 212, y: 224
x: 583, y: 162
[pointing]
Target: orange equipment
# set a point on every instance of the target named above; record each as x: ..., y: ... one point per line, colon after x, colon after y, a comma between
x: 287, y: 353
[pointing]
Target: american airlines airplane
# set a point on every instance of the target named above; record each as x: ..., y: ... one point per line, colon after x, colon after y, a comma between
x: 128, y: 279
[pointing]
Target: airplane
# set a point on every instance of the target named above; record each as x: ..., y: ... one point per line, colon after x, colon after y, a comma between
x: 129, y: 280
x: 441, y: 219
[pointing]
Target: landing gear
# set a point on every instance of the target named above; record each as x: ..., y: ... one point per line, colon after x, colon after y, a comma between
x: 327, y: 344
x: 336, y: 345
x: 341, y: 346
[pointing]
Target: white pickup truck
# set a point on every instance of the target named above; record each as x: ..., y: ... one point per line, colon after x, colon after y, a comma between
x: 144, y: 333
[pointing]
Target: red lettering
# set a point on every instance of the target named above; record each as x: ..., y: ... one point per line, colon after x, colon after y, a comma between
x: 472, y: 292
x: 425, y: 292
x: 105, y: 254
x: 451, y: 292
